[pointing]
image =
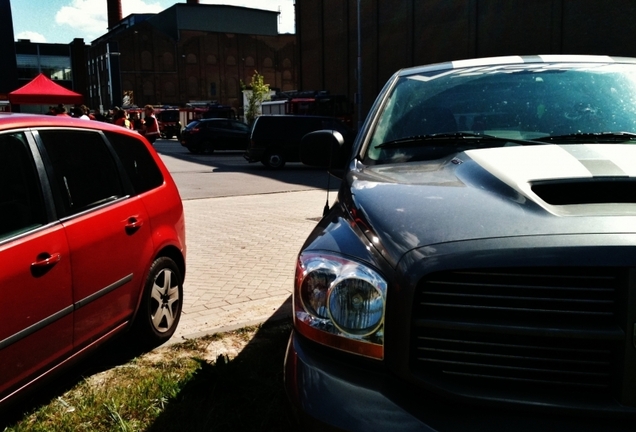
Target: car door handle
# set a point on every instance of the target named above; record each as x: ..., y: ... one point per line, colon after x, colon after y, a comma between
x: 133, y: 224
x: 45, y: 260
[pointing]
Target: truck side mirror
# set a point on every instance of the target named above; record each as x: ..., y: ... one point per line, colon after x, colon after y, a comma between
x: 324, y: 149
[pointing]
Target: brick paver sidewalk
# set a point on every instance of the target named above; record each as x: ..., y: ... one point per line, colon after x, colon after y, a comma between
x: 241, y: 258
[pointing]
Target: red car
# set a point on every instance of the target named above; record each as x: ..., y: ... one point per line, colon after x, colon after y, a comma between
x: 92, y: 242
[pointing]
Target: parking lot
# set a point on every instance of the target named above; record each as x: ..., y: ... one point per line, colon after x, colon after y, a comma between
x: 245, y: 225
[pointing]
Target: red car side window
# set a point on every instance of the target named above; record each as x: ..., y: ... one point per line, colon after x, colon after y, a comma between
x: 21, y: 204
x: 83, y: 169
x: 137, y: 161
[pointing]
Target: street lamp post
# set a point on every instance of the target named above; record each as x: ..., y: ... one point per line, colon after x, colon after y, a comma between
x: 99, y: 84
x: 110, y: 74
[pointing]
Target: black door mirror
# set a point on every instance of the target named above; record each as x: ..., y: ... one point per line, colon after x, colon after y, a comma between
x: 324, y: 149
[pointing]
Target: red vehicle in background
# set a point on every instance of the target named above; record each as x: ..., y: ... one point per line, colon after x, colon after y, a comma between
x: 169, y: 122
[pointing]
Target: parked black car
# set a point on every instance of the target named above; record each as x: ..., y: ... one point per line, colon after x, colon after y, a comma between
x: 207, y: 135
x: 478, y: 270
x: 275, y: 139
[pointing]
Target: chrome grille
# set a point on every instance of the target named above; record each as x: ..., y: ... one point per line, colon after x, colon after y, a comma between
x: 531, y: 329
x: 518, y: 360
x: 522, y: 294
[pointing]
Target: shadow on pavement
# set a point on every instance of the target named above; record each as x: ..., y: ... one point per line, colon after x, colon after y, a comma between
x: 225, y: 162
x: 245, y: 393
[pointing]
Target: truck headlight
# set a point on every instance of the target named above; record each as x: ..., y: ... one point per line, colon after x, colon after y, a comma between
x: 340, y: 303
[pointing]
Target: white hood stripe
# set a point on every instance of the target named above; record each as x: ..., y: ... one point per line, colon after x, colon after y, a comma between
x: 520, y: 166
x: 596, y: 163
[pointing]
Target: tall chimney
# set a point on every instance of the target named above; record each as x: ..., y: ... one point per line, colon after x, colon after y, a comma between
x: 114, y: 13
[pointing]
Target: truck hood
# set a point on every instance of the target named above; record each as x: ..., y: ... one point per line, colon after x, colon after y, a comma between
x: 495, y: 193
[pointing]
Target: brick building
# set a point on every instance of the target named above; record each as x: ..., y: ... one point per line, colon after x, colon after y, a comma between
x: 400, y: 33
x: 189, y: 53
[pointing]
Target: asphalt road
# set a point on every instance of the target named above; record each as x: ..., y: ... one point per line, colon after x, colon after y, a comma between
x: 226, y: 173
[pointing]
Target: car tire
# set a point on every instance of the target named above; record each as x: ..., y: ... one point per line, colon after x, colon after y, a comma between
x: 208, y: 146
x: 161, y: 303
x: 195, y: 149
x: 274, y: 160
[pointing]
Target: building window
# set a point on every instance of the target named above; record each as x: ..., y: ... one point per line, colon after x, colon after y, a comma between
x: 146, y: 60
x: 28, y: 65
x: 193, y: 86
x: 267, y: 62
x: 269, y: 77
x: 249, y: 61
x: 212, y: 89
x: 55, y: 67
x: 149, y: 89
x: 169, y: 89
x: 128, y: 98
x: 168, y: 61
x: 232, y: 88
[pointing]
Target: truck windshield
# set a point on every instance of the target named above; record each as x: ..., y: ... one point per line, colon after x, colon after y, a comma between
x: 521, y: 102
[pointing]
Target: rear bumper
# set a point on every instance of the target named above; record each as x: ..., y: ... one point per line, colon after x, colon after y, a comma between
x: 254, y: 155
x: 327, y: 394
x: 187, y: 141
x: 170, y: 129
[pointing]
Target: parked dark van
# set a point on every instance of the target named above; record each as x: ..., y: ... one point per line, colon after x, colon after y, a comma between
x: 275, y: 139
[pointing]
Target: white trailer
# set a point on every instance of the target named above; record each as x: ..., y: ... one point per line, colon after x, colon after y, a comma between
x: 274, y: 107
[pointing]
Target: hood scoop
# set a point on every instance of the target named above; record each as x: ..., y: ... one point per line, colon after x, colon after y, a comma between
x: 587, y: 191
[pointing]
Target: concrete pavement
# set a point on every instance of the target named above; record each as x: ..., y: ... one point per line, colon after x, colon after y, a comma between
x: 241, y: 258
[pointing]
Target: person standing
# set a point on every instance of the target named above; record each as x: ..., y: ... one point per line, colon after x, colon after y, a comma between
x: 136, y: 122
x: 151, y: 126
x: 121, y: 119
x: 61, y: 111
x: 83, y: 112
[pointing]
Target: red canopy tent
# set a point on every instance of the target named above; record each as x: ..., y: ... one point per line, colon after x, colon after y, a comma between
x: 41, y: 90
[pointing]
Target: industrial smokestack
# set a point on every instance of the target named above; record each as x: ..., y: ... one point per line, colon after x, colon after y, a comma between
x: 114, y: 13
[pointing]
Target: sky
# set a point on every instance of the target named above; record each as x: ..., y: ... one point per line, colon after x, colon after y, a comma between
x: 61, y: 21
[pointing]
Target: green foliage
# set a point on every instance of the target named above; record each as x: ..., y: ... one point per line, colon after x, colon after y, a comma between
x: 260, y: 93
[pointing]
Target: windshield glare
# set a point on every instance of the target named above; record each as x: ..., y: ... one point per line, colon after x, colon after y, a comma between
x: 525, y: 101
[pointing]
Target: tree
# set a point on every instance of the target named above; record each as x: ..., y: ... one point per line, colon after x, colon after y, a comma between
x: 256, y: 93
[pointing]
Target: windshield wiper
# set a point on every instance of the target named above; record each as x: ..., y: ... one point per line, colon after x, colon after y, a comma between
x: 590, y: 137
x: 416, y: 140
